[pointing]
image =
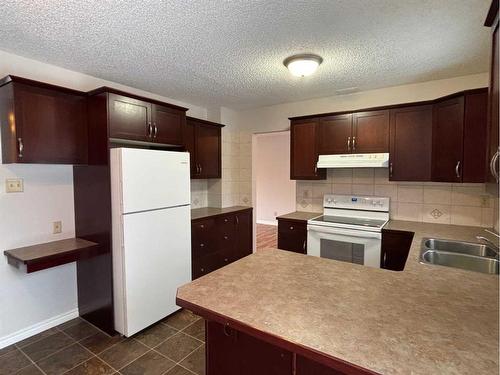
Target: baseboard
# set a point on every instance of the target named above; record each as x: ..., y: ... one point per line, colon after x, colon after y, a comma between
x: 37, y: 328
x: 268, y: 222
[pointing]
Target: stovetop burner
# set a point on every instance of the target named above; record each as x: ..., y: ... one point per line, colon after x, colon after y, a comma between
x: 357, y: 221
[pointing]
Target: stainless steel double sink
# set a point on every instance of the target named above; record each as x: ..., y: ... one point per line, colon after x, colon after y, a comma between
x: 465, y: 255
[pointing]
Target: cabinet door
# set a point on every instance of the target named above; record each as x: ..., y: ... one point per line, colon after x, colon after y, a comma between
x: 129, y: 118
x: 370, y: 132
x: 207, y: 141
x: 303, y: 151
x: 244, y: 224
x: 493, y: 102
x: 167, y: 125
x: 188, y: 140
x: 395, y: 248
x: 50, y: 126
x: 305, y: 366
x: 335, y: 135
x: 292, y: 236
x: 231, y: 352
x: 475, y: 143
x: 411, y: 144
x: 447, y: 139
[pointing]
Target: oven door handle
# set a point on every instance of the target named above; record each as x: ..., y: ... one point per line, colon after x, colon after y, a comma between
x: 344, y: 232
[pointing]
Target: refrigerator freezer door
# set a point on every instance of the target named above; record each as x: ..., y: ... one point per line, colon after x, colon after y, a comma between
x: 152, y: 179
x: 155, y: 259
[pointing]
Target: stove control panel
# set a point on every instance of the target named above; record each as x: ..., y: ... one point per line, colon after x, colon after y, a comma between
x: 356, y: 202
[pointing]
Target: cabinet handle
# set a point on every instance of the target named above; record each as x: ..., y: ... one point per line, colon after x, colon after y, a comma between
x: 315, y: 170
x: 457, y: 169
x: 202, y: 245
x: 384, y: 260
x: 348, y: 143
x: 150, y: 129
x: 225, y: 220
x: 304, y: 245
x: 226, y: 260
x: 201, y: 168
x: 202, y: 269
x: 493, y: 163
x: 227, y: 330
x: 155, y: 128
x: 225, y: 237
x: 202, y: 226
x: 354, y: 143
x: 20, y: 147
x: 291, y: 228
x: 390, y: 170
x: 237, y: 220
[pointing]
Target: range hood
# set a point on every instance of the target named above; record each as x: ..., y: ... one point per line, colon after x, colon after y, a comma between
x: 379, y: 160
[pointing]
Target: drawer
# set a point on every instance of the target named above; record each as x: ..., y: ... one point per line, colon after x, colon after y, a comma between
x: 201, y: 247
x: 209, y: 263
x: 292, y: 236
x: 202, y: 229
x: 226, y: 224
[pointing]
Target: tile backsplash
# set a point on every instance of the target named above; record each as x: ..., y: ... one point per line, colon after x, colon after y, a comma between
x: 433, y: 202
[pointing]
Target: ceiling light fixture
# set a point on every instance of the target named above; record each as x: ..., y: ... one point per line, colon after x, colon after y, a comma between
x: 303, y: 65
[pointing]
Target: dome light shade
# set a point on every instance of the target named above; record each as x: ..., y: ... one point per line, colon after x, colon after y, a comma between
x: 302, y: 65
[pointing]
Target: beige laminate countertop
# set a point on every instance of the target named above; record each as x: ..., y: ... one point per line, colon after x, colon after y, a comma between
x: 202, y: 213
x: 299, y: 216
x: 424, y: 320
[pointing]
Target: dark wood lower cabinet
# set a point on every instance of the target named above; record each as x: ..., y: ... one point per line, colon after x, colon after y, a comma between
x: 292, y: 235
x: 218, y: 241
x: 395, y: 248
x: 232, y: 352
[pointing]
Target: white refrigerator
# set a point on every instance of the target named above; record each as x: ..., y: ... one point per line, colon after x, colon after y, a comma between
x: 151, y: 221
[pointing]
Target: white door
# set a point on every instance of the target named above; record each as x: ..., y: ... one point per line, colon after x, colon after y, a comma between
x: 156, y: 261
x: 153, y: 179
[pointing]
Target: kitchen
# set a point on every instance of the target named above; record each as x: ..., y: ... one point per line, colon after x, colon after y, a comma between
x: 62, y: 304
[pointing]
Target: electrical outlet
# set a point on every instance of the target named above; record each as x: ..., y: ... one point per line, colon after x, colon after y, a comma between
x: 14, y: 185
x: 57, y: 227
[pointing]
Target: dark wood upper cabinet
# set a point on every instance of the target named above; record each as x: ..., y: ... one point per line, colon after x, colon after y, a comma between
x: 203, y: 141
x: 493, y: 98
x: 410, y: 160
x: 475, y: 136
x: 129, y: 118
x: 42, y: 123
x: 447, y: 140
x: 167, y: 125
x: 335, y: 135
x: 370, y: 132
x: 304, y: 151
x: 459, y: 138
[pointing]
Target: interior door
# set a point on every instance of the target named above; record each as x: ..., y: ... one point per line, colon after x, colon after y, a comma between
x: 335, y: 135
x: 157, y: 260
x: 129, y: 118
x: 410, y: 160
x: 447, y: 140
x: 207, y: 140
x: 168, y: 123
x: 370, y: 132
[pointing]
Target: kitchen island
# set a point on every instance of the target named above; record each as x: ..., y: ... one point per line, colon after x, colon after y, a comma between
x: 291, y: 312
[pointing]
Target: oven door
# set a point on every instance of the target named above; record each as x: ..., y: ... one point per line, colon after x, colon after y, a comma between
x: 347, y: 245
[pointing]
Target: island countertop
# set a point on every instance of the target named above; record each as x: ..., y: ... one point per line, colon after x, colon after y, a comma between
x: 424, y: 320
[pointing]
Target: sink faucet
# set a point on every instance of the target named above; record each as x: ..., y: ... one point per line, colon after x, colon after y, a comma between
x: 488, y: 241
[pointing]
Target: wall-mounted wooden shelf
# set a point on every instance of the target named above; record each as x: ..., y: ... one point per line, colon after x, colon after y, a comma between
x: 51, y: 254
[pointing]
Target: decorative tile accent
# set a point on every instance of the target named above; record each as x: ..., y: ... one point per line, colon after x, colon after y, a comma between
x: 436, y: 214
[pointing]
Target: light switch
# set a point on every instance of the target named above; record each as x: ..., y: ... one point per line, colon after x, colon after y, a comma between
x: 14, y: 185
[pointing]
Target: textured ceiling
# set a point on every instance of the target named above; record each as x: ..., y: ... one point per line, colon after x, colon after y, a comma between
x: 230, y: 53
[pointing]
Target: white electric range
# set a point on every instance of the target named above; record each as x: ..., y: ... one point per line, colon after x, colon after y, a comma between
x: 349, y: 230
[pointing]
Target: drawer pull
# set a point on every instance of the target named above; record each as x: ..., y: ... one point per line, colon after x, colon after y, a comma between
x: 202, y: 269
x: 226, y: 260
x: 291, y: 228
x: 202, y: 245
x: 225, y: 237
x: 202, y: 226
x: 225, y: 220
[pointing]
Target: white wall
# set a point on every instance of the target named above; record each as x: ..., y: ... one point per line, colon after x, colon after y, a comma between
x: 275, y: 118
x: 275, y: 192
x: 26, y: 301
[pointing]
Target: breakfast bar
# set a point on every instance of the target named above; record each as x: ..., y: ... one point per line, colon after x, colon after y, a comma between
x: 320, y: 316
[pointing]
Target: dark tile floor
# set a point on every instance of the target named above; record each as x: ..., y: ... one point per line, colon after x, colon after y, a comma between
x: 174, y: 346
